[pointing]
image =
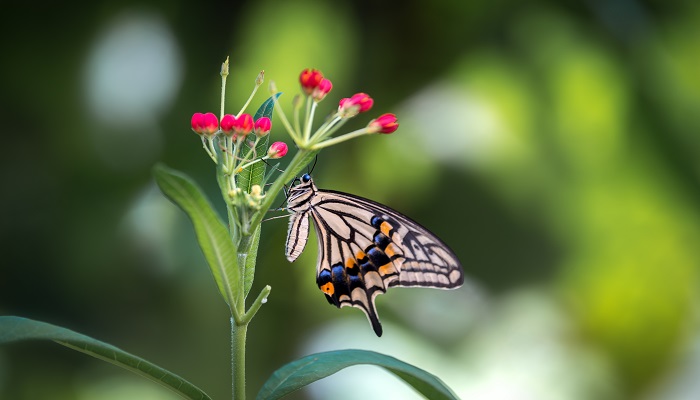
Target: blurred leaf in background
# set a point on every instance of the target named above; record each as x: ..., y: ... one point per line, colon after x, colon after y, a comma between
x: 553, y: 145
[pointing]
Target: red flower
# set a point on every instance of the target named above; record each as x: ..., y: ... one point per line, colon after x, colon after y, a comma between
x: 323, y: 88
x: 385, y: 123
x: 310, y: 79
x: 277, y: 150
x: 204, y: 124
x: 349, y: 107
x: 262, y: 126
x: 227, y: 124
x: 243, y: 125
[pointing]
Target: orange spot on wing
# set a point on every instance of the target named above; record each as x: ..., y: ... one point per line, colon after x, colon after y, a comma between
x: 389, y: 251
x: 387, y: 269
x: 328, y: 289
x: 361, y: 255
x: 350, y: 263
x: 386, y: 228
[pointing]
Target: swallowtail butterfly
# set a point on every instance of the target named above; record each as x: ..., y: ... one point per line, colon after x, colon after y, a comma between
x: 364, y: 248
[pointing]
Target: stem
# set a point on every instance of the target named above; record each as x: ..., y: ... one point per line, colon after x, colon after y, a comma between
x: 262, y: 299
x: 297, y: 107
x: 251, y: 163
x: 309, y: 117
x: 248, y: 102
x: 283, y: 119
x: 238, y: 339
x: 336, y: 140
x: 335, y: 124
x: 206, y: 143
x: 223, y: 95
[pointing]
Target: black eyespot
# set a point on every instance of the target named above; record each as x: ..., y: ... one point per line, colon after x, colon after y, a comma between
x: 305, y: 178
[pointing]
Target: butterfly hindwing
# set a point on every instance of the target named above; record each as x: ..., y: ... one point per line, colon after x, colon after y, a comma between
x: 365, y: 248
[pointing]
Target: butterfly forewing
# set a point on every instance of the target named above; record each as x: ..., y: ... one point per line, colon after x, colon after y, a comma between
x: 365, y: 248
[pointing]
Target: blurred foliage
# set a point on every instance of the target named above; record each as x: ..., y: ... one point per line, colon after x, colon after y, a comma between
x: 553, y: 145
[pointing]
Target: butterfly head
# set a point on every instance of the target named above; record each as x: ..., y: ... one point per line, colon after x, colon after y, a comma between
x: 300, y: 193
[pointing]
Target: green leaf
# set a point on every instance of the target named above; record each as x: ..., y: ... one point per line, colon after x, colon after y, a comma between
x: 212, y: 235
x: 304, y: 371
x: 250, y: 261
x: 15, y: 329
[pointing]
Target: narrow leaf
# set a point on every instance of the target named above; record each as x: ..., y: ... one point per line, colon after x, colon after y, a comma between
x: 15, y: 329
x: 212, y: 235
x: 304, y: 371
x: 250, y: 262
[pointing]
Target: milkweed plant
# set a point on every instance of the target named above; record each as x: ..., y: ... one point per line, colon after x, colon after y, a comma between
x: 241, y: 147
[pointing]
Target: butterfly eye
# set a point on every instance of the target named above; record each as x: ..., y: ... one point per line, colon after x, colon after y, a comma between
x: 305, y: 178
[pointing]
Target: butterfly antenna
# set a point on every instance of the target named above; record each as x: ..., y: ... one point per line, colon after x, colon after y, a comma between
x: 273, y: 166
x: 276, y: 217
x: 314, y: 164
x: 280, y: 208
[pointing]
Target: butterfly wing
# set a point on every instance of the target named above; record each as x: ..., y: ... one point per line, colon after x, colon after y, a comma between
x: 366, y: 247
x: 297, y: 235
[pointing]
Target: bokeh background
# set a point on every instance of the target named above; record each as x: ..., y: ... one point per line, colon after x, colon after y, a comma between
x: 554, y: 145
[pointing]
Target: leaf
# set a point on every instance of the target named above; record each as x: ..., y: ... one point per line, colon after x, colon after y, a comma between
x: 254, y: 175
x: 250, y: 261
x: 15, y: 329
x: 212, y: 235
x: 304, y: 371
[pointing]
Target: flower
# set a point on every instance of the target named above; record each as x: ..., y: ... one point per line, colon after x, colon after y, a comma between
x: 262, y: 126
x: 323, y: 88
x: 277, y: 150
x: 385, y: 123
x: 349, y: 107
x: 243, y: 125
x: 227, y: 124
x: 204, y: 124
x: 310, y: 79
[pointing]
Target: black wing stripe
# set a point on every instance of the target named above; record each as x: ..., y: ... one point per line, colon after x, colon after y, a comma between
x: 365, y: 248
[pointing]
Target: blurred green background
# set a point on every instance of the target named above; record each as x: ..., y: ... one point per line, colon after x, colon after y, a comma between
x: 554, y: 145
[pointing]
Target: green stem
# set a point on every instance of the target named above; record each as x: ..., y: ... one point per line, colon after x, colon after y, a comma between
x: 262, y: 299
x: 332, y: 128
x: 283, y: 119
x: 238, y: 339
x: 308, y: 117
x: 336, y: 140
x: 255, y: 89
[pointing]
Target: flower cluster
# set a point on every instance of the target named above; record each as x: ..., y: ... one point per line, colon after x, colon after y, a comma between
x: 316, y: 87
x: 236, y: 128
x: 233, y: 141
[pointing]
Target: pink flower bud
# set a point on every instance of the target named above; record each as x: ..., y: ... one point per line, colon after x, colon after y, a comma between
x: 227, y: 124
x: 277, y: 150
x: 385, y: 123
x: 243, y: 125
x: 262, y: 126
x: 323, y: 88
x: 310, y: 79
x: 349, y: 107
x: 204, y: 124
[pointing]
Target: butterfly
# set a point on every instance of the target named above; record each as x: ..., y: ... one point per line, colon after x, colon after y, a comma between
x: 364, y: 248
